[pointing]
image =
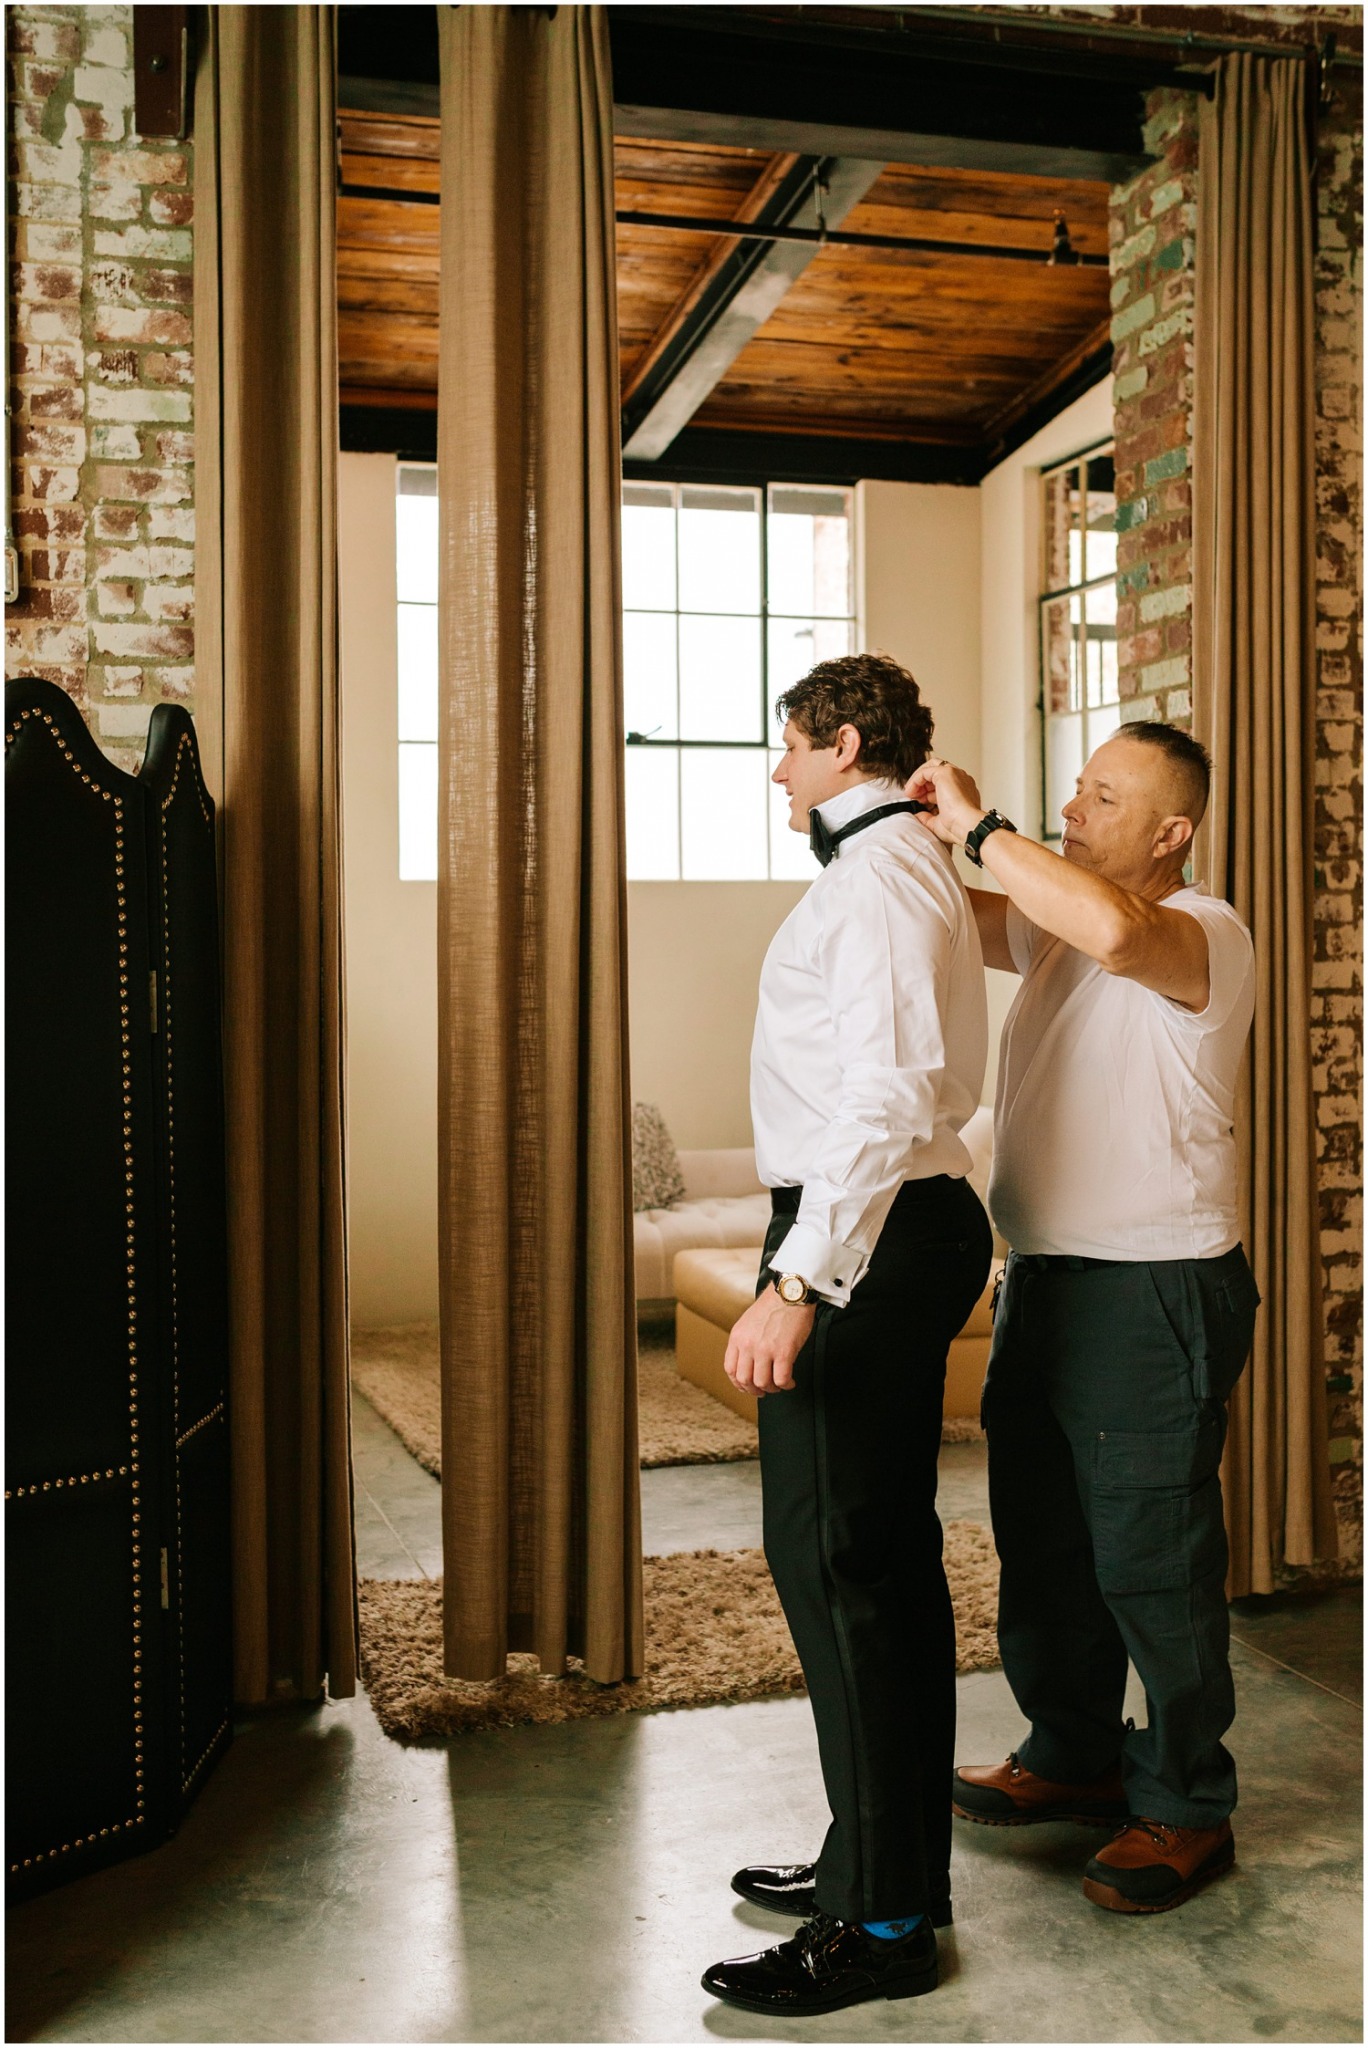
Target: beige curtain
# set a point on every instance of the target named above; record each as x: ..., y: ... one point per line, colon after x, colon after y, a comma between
x: 266, y: 684
x: 1254, y: 701
x: 541, y: 1535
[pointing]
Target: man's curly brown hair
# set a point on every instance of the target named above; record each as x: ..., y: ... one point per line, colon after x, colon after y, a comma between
x: 876, y: 696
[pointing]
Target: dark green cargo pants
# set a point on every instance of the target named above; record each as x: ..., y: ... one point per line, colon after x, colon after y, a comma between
x: 1105, y: 1411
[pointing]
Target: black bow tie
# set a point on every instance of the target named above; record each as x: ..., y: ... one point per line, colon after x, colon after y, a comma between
x: 826, y: 844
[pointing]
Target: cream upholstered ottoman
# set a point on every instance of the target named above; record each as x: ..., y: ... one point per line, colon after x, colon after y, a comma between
x: 712, y: 1287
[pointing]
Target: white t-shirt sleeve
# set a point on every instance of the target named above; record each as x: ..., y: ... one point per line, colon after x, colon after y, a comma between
x: 1021, y: 937
x: 1230, y: 957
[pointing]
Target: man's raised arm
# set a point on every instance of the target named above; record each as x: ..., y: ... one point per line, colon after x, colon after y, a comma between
x: 1125, y: 929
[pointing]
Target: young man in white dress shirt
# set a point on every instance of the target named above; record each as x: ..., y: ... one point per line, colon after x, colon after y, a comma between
x: 869, y: 1053
x: 1126, y: 1316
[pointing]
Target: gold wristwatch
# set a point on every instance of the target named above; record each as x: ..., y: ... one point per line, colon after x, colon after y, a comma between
x: 793, y: 1289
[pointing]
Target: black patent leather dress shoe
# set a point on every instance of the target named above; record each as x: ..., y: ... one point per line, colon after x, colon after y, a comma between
x: 789, y: 1888
x: 828, y: 1963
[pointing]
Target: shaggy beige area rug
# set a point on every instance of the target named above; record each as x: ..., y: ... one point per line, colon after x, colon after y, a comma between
x: 715, y: 1634
x: 678, y: 1424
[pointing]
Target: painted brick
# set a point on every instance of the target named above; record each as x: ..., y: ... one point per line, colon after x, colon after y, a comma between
x: 102, y: 378
x: 1133, y: 316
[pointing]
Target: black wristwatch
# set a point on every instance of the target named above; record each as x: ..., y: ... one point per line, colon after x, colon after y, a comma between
x: 991, y: 821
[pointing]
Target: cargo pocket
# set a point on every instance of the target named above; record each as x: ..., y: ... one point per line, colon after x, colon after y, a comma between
x: 1208, y: 1306
x: 1156, y: 1506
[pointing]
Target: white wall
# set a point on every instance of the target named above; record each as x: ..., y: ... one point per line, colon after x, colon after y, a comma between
x: 694, y: 951
x: 391, y: 936
x: 1009, y: 716
x: 919, y: 549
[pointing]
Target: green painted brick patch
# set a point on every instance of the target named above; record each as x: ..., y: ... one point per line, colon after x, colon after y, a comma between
x: 1170, y: 257
x: 1162, y: 467
x: 1342, y: 1449
x: 1132, y: 317
x: 1340, y: 1383
x: 1134, y: 514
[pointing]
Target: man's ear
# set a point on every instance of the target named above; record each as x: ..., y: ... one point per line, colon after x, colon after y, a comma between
x: 1174, y: 836
x: 848, y: 744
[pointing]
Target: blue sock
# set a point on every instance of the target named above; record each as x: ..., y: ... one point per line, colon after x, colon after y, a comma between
x: 892, y: 1930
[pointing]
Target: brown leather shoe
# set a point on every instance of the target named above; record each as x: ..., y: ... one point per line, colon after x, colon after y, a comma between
x: 1009, y: 1796
x: 1150, y: 1866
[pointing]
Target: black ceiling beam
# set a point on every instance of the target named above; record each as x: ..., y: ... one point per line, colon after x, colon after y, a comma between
x: 719, y: 455
x: 738, y: 300
x: 915, y: 245
x: 728, y: 75
x: 408, y: 431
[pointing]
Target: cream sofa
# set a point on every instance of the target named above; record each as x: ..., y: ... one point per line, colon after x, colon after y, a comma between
x: 724, y: 1205
x: 713, y: 1284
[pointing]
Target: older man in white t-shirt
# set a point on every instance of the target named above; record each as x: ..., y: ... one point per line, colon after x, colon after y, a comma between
x: 1126, y: 1314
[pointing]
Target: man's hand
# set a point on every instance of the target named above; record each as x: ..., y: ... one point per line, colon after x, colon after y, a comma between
x: 764, y: 1343
x: 958, y: 805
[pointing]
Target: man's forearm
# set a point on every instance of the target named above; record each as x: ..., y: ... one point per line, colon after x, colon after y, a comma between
x: 1080, y: 908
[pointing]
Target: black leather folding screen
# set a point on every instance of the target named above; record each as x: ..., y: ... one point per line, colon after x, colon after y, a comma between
x: 116, y: 1489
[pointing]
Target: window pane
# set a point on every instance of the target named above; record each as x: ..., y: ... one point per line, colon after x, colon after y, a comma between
x: 808, y: 552
x: 650, y: 686
x: 796, y: 645
x: 1102, y: 723
x: 722, y: 810
x: 1063, y: 529
x: 719, y: 679
x: 418, y: 671
x: 417, y: 813
x: 652, y: 814
x: 415, y: 520
x: 790, y: 855
x: 719, y: 550
x: 648, y: 547
x: 1100, y: 558
x: 1100, y: 610
x: 1059, y: 655
x: 1063, y: 764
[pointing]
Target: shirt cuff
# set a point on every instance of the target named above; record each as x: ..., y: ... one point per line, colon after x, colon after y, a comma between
x: 831, y: 1269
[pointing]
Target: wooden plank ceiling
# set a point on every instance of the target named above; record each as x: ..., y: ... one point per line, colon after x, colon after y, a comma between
x: 868, y: 343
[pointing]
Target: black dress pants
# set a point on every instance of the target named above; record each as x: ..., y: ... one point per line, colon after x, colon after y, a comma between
x: 848, y: 1465
x: 1105, y: 1411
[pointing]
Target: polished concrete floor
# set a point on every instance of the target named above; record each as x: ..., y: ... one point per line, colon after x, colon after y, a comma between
x: 570, y: 1883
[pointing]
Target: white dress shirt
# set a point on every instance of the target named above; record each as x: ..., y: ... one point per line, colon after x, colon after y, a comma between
x: 1114, y: 1130
x: 871, y: 1038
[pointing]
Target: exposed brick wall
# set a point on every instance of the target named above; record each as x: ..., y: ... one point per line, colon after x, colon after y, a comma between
x: 101, y: 373
x: 1153, y: 254
x: 1153, y: 226
x: 1337, y: 973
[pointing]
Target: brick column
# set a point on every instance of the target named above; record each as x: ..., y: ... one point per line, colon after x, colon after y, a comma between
x: 1337, y: 971
x: 101, y: 374
x: 1153, y: 268
x: 1153, y: 224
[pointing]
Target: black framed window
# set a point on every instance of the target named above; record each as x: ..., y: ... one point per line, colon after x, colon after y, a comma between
x: 730, y: 593
x: 1079, y: 677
